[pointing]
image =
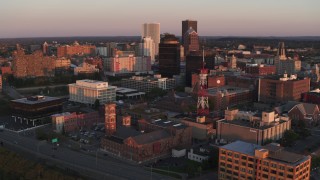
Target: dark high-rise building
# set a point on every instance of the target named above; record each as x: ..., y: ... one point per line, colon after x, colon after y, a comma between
x: 194, y: 63
x: 186, y: 26
x: 169, y: 56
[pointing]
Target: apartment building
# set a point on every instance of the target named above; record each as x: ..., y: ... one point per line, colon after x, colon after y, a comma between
x: 241, y: 160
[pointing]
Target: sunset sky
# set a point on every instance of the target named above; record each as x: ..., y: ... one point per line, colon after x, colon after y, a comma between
x: 49, y: 18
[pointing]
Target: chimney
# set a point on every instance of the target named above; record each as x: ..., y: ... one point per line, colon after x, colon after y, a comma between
x: 126, y: 120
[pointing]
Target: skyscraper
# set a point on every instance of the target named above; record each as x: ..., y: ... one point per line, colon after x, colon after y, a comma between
x: 186, y: 26
x: 169, y: 56
x: 191, y: 41
x: 152, y: 30
x: 147, y: 47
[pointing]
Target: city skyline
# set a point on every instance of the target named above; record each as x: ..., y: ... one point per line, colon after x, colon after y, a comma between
x: 35, y: 18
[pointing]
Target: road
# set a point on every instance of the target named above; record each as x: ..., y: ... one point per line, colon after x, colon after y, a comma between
x: 98, y: 168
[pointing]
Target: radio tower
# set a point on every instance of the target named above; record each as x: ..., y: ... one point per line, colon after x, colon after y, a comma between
x: 203, y: 103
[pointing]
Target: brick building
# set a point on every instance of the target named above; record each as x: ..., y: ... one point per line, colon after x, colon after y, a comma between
x: 153, y: 140
x: 297, y: 111
x: 275, y: 89
x: 252, y: 127
x: 70, y: 122
x: 260, y: 70
x: 213, y: 80
x: 32, y: 65
x: 75, y: 49
x: 241, y: 160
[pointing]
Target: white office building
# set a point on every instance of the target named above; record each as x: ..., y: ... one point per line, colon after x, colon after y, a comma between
x: 87, y: 91
x: 152, y: 30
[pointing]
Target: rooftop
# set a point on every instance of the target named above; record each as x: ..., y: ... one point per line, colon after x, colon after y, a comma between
x: 227, y: 89
x: 242, y: 147
x: 168, y: 123
x: 35, y: 99
x: 276, y: 153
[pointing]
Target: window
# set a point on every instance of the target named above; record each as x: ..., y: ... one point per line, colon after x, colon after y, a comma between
x: 273, y: 172
x: 281, y: 167
x: 236, y: 155
x: 273, y: 178
x: 265, y: 175
x: 244, y: 157
x: 290, y: 176
x: 273, y: 165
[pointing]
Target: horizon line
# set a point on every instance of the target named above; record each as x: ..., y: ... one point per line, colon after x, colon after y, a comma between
x: 81, y: 36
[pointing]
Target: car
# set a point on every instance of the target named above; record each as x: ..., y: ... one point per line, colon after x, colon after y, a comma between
x: 86, y: 141
x: 102, y: 129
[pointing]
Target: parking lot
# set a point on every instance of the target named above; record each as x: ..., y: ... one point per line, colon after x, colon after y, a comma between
x: 87, y: 139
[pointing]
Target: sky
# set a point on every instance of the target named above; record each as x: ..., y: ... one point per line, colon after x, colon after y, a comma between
x: 52, y: 18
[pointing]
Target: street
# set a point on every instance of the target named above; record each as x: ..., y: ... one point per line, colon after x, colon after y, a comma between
x: 83, y: 163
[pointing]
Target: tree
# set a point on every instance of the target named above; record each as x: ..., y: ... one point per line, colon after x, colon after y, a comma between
x: 289, y: 138
x: 96, y: 104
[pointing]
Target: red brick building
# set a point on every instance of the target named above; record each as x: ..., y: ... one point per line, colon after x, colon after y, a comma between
x: 260, y: 70
x: 75, y: 49
x: 275, y: 89
x: 213, y: 81
x: 309, y: 113
x: 32, y: 65
x: 153, y: 140
x: 70, y: 122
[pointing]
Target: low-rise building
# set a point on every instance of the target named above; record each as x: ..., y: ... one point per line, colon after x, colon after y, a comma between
x: 69, y: 122
x: 197, y: 156
x: 88, y: 91
x: 274, y: 89
x: 143, y: 112
x: 152, y: 141
x: 252, y: 127
x: 127, y: 93
x: 297, y: 111
x: 241, y: 160
x: 145, y: 84
x: 260, y: 70
x: 36, y: 109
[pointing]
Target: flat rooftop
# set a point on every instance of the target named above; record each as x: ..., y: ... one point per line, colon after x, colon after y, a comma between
x: 35, y: 100
x: 168, y: 123
x: 276, y: 153
x: 227, y: 89
x: 246, y: 123
x: 242, y: 147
